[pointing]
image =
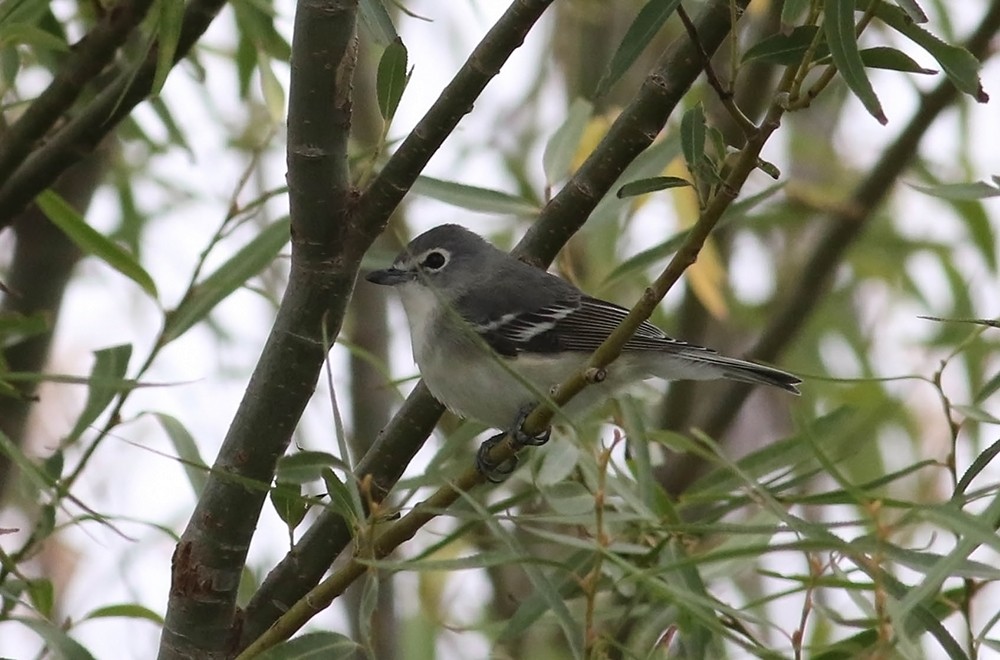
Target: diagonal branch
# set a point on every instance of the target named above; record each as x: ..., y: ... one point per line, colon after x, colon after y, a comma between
x: 842, y: 230
x: 81, y: 135
x: 89, y: 57
x: 634, y: 130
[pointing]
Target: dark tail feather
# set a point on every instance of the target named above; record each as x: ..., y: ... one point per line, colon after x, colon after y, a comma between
x: 746, y: 372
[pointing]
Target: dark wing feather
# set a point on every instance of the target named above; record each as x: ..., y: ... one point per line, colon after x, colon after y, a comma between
x: 573, y: 323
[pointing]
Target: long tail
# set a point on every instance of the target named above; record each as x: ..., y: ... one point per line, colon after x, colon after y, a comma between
x: 703, y: 364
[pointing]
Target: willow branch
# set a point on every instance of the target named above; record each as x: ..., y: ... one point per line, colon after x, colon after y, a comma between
x: 89, y: 58
x: 83, y: 133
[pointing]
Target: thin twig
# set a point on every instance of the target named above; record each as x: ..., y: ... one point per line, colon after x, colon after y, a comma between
x: 725, y: 95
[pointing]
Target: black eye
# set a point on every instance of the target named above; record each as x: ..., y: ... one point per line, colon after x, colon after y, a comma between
x: 434, y: 261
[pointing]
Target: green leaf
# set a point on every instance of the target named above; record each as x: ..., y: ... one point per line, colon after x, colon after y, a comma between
x: 564, y: 143
x: 645, y: 26
x: 693, y: 133
x: 340, y: 497
x: 962, y: 191
x: 978, y: 465
x: 304, y: 466
x: 57, y: 642
x: 392, y: 78
x: 838, y: 25
x: 313, y: 646
x: 474, y: 198
x: 42, y: 595
x: 643, y: 186
x: 109, y: 363
x: 892, y: 59
x: 125, y: 610
x: 233, y: 274
x: 288, y: 503
x: 791, y: 10
x: 377, y: 22
x: 270, y: 88
x: 195, y: 467
x: 64, y: 216
x: 913, y: 10
x: 30, y: 35
x: 786, y: 49
x: 16, y: 327
x: 961, y: 67
x: 168, y: 33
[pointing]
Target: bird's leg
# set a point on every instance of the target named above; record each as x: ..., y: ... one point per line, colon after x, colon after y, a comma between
x: 519, y: 439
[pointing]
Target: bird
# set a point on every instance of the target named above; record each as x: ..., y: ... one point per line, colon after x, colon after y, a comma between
x: 491, y: 335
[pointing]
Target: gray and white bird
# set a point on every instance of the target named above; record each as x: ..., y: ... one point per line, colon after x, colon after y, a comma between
x: 491, y: 334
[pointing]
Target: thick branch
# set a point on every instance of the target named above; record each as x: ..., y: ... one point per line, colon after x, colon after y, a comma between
x: 88, y: 59
x: 842, y: 230
x: 81, y: 134
x: 211, y: 554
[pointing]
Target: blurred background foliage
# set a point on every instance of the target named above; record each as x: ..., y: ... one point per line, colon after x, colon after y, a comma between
x: 857, y: 521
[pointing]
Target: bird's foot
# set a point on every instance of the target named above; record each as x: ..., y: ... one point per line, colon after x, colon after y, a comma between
x: 523, y: 439
x: 496, y: 473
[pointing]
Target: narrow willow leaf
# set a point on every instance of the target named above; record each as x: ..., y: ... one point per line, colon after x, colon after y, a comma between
x: 913, y: 10
x: 305, y: 466
x: 645, y: 26
x: 125, y: 610
x: 960, y: 191
x: 978, y: 465
x: 16, y: 327
x: 787, y: 49
x: 233, y: 274
x: 392, y: 78
x: 313, y: 645
x: 109, y: 363
x: 473, y: 198
x: 564, y: 143
x: 838, y: 26
x: 643, y: 186
x: 892, y: 59
x: 270, y: 88
x: 31, y: 35
x: 340, y: 497
x: 168, y: 33
x: 288, y: 503
x: 961, y: 66
x: 184, y: 444
x: 693, y: 133
x: 92, y: 242
x: 377, y: 22
x: 57, y: 642
x: 174, y: 132
x: 791, y: 10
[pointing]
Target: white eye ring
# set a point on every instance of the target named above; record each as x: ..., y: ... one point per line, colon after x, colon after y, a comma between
x: 434, y: 260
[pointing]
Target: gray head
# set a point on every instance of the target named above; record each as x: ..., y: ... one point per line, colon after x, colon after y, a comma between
x: 446, y: 258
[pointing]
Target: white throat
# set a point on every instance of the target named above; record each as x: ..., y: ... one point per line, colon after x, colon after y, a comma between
x: 421, y: 305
